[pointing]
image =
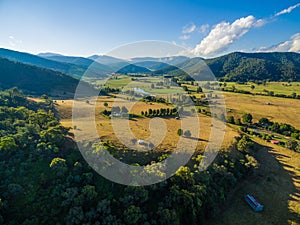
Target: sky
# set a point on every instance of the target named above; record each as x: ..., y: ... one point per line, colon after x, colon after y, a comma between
x: 204, y: 28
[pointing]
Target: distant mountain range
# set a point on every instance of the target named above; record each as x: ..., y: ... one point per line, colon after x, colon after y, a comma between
x: 47, y: 72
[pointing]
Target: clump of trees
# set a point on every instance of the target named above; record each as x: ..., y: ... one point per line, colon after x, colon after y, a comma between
x: 162, y: 112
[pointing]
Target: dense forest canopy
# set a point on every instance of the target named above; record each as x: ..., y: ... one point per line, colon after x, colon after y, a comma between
x: 44, y: 179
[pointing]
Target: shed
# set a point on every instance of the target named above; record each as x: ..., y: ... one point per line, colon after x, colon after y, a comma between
x: 255, y: 205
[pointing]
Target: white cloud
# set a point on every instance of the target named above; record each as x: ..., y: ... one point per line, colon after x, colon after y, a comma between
x: 224, y: 34
x: 189, y: 29
x: 203, y: 28
x: 292, y: 45
x: 184, y: 37
x: 13, y: 41
x: 288, y: 10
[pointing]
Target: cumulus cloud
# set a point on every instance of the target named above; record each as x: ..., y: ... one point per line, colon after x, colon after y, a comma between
x: 224, y: 34
x: 292, y: 45
x: 184, y: 37
x: 288, y: 10
x: 188, y: 29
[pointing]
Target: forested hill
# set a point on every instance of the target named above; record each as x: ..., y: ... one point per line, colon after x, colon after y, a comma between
x: 34, y: 79
x: 257, y: 66
x: 239, y: 66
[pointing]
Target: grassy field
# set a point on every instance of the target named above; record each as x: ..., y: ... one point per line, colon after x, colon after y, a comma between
x: 277, y: 87
x: 277, y: 109
x: 140, y: 126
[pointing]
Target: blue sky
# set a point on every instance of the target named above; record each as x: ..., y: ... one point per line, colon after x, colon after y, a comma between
x: 206, y: 28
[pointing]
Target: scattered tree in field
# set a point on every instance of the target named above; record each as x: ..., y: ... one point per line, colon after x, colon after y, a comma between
x: 238, y: 121
x: 230, y: 119
x: 264, y: 121
x: 291, y: 144
x: 124, y: 109
x: 150, y: 112
x: 105, y: 104
x: 247, y: 118
x: 115, y: 109
x: 179, y: 132
x: 252, y: 87
x: 199, y: 89
x: 185, y: 88
x: 187, y: 133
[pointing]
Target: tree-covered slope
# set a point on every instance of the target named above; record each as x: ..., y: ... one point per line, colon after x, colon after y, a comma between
x: 67, y: 68
x: 244, y: 66
x: 34, y: 79
x: 131, y: 68
x: 85, y: 63
x: 257, y: 66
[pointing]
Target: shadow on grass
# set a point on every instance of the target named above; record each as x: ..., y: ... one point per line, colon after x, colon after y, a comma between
x: 275, y: 184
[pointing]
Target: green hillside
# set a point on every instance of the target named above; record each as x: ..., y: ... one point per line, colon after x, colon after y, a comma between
x: 244, y: 67
x: 257, y: 66
x: 34, y: 79
x: 133, y: 69
x: 66, y: 68
x: 85, y: 63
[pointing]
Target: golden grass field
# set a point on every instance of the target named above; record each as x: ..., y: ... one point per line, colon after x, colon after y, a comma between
x: 140, y: 126
x: 283, y: 110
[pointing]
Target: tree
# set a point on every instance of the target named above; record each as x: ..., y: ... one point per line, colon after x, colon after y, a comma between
x: 238, y: 122
x: 132, y: 215
x: 247, y: 118
x: 179, y: 132
x: 115, y: 109
x: 264, y: 121
x: 8, y: 144
x: 291, y: 144
x: 105, y: 104
x: 199, y: 90
x: 245, y: 144
x: 230, y: 119
x: 252, y: 87
x: 59, y: 166
x: 124, y: 109
x: 152, y: 86
x: 187, y: 133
